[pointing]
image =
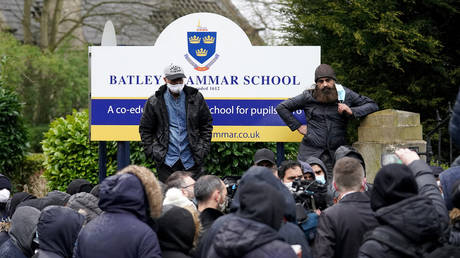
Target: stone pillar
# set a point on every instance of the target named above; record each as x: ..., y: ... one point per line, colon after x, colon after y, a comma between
x: 383, y: 132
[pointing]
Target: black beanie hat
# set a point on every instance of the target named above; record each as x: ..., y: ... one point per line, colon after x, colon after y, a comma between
x: 392, y: 184
x: 5, y: 182
x: 324, y: 70
x: 79, y: 185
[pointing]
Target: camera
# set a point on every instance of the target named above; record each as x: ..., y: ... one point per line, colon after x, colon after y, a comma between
x: 231, y: 182
x: 311, y: 195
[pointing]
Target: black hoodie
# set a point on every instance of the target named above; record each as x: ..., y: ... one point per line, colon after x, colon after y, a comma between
x: 58, y: 229
x: 252, y: 230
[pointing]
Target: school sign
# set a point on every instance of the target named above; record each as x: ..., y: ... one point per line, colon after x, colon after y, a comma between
x: 242, y: 84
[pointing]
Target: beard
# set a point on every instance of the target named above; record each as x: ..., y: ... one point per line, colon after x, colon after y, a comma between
x: 325, y: 94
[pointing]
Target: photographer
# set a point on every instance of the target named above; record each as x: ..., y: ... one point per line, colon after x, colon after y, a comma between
x: 341, y: 227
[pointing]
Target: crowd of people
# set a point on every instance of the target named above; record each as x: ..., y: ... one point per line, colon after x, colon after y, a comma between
x: 273, y: 213
x: 320, y: 205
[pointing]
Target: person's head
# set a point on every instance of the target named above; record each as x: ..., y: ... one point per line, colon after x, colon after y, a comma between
x: 307, y: 171
x: 266, y: 158
x: 174, y: 78
x: 320, y: 174
x: 210, y: 192
x: 289, y: 171
x: 349, y: 151
x: 348, y: 175
x: 182, y: 180
x: 5, y: 188
x: 392, y: 184
x: 325, y: 79
x: 79, y: 185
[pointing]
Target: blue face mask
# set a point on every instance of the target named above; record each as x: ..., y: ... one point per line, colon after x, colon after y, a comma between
x: 321, y: 179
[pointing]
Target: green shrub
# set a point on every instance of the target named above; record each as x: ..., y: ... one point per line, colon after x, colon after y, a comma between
x: 13, y: 134
x: 69, y: 154
x: 32, y: 163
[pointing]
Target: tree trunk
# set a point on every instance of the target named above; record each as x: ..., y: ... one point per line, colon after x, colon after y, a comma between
x: 57, y: 13
x: 26, y: 22
x: 44, y: 43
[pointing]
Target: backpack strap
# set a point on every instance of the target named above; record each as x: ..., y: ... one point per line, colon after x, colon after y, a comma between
x: 393, y: 240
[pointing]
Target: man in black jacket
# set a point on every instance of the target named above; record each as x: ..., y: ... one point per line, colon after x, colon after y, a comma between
x: 176, y: 126
x: 327, y: 109
x: 341, y: 227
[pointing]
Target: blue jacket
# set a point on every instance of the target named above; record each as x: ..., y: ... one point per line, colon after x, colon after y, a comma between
x: 122, y: 229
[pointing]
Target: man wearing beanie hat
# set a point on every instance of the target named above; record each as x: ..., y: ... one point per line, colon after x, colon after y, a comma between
x: 176, y: 126
x: 327, y: 107
x: 409, y: 208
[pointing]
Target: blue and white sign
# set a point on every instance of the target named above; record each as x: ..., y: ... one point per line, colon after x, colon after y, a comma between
x: 241, y: 83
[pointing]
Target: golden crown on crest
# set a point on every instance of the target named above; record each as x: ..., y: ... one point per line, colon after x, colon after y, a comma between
x: 194, y: 40
x: 201, y: 52
x: 208, y: 40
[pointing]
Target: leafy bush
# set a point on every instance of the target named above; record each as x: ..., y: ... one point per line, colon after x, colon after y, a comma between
x: 69, y: 154
x: 13, y: 135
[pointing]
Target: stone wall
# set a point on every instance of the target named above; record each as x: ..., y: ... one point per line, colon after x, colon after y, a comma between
x: 383, y: 132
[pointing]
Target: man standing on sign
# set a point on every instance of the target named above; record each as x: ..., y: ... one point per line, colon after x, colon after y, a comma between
x: 176, y: 126
x: 327, y: 107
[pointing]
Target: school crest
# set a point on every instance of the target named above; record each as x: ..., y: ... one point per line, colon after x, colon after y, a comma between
x: 201, y: 46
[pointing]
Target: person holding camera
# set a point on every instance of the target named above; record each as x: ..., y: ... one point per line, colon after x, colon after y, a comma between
x: 341, y: 227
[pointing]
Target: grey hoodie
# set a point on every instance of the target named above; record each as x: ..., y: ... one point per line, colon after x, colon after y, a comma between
x: 23, y: 227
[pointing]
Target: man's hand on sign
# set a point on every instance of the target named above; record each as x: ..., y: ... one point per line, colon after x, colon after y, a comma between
x: 344, y: 108
x: 302, y: 129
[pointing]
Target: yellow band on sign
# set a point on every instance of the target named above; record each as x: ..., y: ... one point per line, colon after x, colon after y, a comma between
x: 219, y: 133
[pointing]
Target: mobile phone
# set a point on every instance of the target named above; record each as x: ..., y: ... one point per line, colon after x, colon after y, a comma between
x: 389, y: 158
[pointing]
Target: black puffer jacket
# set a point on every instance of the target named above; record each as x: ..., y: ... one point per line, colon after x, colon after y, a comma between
x: 326, y: 127
x: 417, y: 220
x: 154, y: 125
x: 414, y: 219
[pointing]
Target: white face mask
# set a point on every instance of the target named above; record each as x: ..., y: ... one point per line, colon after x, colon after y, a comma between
x: 321, y: 179
x: 288, y: 185
x: 175, y: 88
x: 4, y: 195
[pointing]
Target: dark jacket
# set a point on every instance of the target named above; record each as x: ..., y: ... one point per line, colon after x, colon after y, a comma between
x: 207, y: 217
x: 448, y: 178
x: 341, y: 227
x: 22, y: 232
x: 454, y: 238
x: 154, y: 125
x: 454, y: 124
x: 252, y: 231
x: 418, y: 220
x: 125, y: 199
x: 326, y: 128
x: 58, y: 229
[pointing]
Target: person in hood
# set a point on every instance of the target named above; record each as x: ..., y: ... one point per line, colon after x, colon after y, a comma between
x: 447, y: 179
x: 454, y: 215
x: 328, y: 108
x: 289, y: 231
x: 252, y: 230
x: 130, y: 200
x: 5, y: 189
x: 57, y: 230
x: 409, y: 208
x: 176, y: 126
x: 22, y: 232
x: 15, y: 200
x: 85, y: 204
x: 52, y: 198
x: 79, y: 185
x: 319, y: 169
x: 176, y: 232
